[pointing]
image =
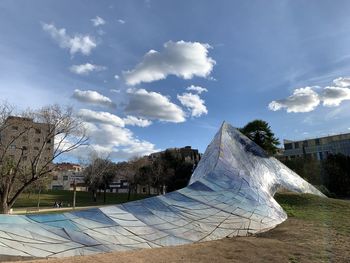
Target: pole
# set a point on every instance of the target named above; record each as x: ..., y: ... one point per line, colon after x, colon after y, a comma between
x: 74, y: 193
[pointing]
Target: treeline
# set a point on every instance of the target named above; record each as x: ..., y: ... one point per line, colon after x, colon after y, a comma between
x: 166, y: 173
x: 331, y: 175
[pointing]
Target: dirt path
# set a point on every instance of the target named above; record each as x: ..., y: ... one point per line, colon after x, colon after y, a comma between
x: 293, y: 241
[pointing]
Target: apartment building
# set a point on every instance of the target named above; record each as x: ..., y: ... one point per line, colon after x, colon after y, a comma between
x: 26, y: 142
x: 318, y: 148
x: 65, y: 175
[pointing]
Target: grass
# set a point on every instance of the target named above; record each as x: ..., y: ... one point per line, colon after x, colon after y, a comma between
x: 328, y: 212
x: 48, y: 198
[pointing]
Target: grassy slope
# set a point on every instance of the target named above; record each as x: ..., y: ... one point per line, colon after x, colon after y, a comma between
x: 327, y: 212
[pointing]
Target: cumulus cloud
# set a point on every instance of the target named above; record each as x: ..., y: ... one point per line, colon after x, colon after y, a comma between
x: 100, y: 117
x: 333, y: 96
x: 93, y: 97
x: 112, y: 119
x: 197, y: 89
x: 134, y: 121
x: 116, y: 142
x: 76, y: 43
x: 302, y: 100
x: 153, y: 105
x: 182, y: 59
x: 342, y: 82
x: 194, y: 103
x: 307, y: 99
x: 108, y: 135
x: 98, y: 21
x: 85, y: 69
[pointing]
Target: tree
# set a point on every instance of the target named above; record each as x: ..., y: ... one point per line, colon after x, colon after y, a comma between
x: 260, y: 132
x: 337, y: 174
x: 98, y: 175
x: 307, y: 168
x: 21, y: 162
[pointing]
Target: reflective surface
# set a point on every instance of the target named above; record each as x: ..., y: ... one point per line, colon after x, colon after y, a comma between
x: 230, y: 194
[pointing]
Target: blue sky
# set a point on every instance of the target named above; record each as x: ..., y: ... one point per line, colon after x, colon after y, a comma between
x: 286, y: 62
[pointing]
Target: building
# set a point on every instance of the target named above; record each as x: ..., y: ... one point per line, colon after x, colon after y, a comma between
x: 318, y: 148
x: 65, y: 175
x: 26, y: 142
x: 186, y: 153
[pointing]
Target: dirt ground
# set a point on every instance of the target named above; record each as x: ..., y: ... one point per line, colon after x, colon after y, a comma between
x: 293, y: 241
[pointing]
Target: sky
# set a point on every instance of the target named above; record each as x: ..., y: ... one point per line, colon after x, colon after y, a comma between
x: 146, y: 75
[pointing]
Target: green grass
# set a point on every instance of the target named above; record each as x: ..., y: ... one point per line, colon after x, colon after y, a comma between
x: 328, y: 212
x: 48, y: 198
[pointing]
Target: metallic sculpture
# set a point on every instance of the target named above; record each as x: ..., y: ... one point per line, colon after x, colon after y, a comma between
x: 230, y: 194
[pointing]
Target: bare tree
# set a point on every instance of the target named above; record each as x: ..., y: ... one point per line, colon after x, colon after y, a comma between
x: 30, y: 142
x: 98, y: 174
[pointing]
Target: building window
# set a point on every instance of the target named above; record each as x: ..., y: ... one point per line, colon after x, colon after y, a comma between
x: 317, y: 141
x: 288, y: 146
x: 296, y: 145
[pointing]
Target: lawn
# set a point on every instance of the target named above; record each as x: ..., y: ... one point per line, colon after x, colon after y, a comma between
x: 48, y: 198
x: 328, y: 212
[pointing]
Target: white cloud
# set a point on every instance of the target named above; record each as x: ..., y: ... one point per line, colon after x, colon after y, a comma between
x: 101, y: 117
x: 333, y: 96
x: 182, y: 59
x: 77, y: 43
x: 115, y: 90
x: 85, y: 69
x: 194, y: 103
x: 342, y: 82
x: 116, y: 76
x: 302, y: 100
x: 108, y: 136
x: 134, y: 121
x: 307, y: 99
x: 121, y: 21
x: 112, y: 119
x: 116, y: 142
x: 197, y: 89
x: 153, y: 105
x: 93, y: 97
x: 98, y: 21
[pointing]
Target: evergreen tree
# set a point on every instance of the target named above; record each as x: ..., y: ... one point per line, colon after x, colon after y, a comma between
x: 260, y: 132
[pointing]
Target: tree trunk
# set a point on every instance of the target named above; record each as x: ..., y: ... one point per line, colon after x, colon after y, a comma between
x: 39, y: 198
x: 129, y: 192
x: 104, y: 195
x: 94, y: 196
x: 4, y: 208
